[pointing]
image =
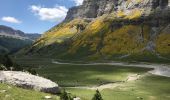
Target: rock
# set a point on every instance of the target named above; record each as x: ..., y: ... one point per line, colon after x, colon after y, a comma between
x: 48, y: 97
x: 77, y: 98
x: 28, y: 81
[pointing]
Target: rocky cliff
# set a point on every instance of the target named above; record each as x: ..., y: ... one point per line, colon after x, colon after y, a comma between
x: 96, y: 8
x: 110, y: 29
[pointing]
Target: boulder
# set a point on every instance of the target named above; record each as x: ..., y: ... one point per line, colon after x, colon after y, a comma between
x: 29, y: 81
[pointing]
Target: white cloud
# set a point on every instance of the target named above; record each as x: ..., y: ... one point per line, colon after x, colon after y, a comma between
x: 57, y: 13
x: 10, y: 20
x: 78, y: 2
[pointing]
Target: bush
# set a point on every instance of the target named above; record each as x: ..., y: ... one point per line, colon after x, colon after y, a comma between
x: 97, y: 96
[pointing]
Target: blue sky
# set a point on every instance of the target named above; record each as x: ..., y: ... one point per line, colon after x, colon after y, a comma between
x: 34, y: 16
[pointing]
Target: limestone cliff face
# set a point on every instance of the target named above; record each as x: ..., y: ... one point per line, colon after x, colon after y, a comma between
x: 96, y: 8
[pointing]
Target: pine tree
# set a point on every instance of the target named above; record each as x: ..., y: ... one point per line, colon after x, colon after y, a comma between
x: 65, y: 96
x: 97, y: 96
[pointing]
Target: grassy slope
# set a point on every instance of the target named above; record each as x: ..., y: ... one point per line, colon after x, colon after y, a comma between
x: 14, y: 93
x: 60, y: 33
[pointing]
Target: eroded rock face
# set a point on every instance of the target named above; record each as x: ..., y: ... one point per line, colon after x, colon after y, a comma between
x: 26, y: 80
x: 95, y: 8
x: 91, y: 9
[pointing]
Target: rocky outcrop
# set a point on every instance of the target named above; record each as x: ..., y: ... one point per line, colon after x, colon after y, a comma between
x: 95, y: 8
x: 28, y: 81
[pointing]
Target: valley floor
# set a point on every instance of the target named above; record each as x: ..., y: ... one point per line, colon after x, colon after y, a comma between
x: 115, y: 82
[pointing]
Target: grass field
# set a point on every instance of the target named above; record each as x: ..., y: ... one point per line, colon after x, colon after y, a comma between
x: 8, y: 92
x: 149, y: 87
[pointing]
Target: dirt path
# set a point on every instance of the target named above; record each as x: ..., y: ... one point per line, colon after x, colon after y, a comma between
x: 158, y: 69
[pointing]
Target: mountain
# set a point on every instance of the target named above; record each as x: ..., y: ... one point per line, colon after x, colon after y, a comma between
x: 110, y: 29
x: 10, y: 32
x: 12, y: 40
x: 32, y: 36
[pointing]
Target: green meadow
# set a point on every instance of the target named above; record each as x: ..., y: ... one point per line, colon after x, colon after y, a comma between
x: 148, y: 87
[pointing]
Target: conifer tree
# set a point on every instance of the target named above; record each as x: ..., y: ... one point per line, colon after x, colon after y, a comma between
x: 97, y: 96
x: 65, y: 96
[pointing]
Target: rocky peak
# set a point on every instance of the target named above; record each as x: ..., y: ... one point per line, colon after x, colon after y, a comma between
x: 95, y: 8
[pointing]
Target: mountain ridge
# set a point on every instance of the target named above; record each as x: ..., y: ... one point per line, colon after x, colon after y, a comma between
x: 13, y: 33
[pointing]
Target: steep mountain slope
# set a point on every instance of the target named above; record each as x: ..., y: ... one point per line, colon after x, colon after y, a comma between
x: 12, y: 40
x: 110, y: 29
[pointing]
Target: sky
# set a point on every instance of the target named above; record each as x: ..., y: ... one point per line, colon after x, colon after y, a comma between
x: 34, y: 16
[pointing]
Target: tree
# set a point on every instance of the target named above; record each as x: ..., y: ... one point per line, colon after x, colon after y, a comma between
x: 97, y: 96
x: 8, y: 64
x: 65, y: 96
x: 7, y: 61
